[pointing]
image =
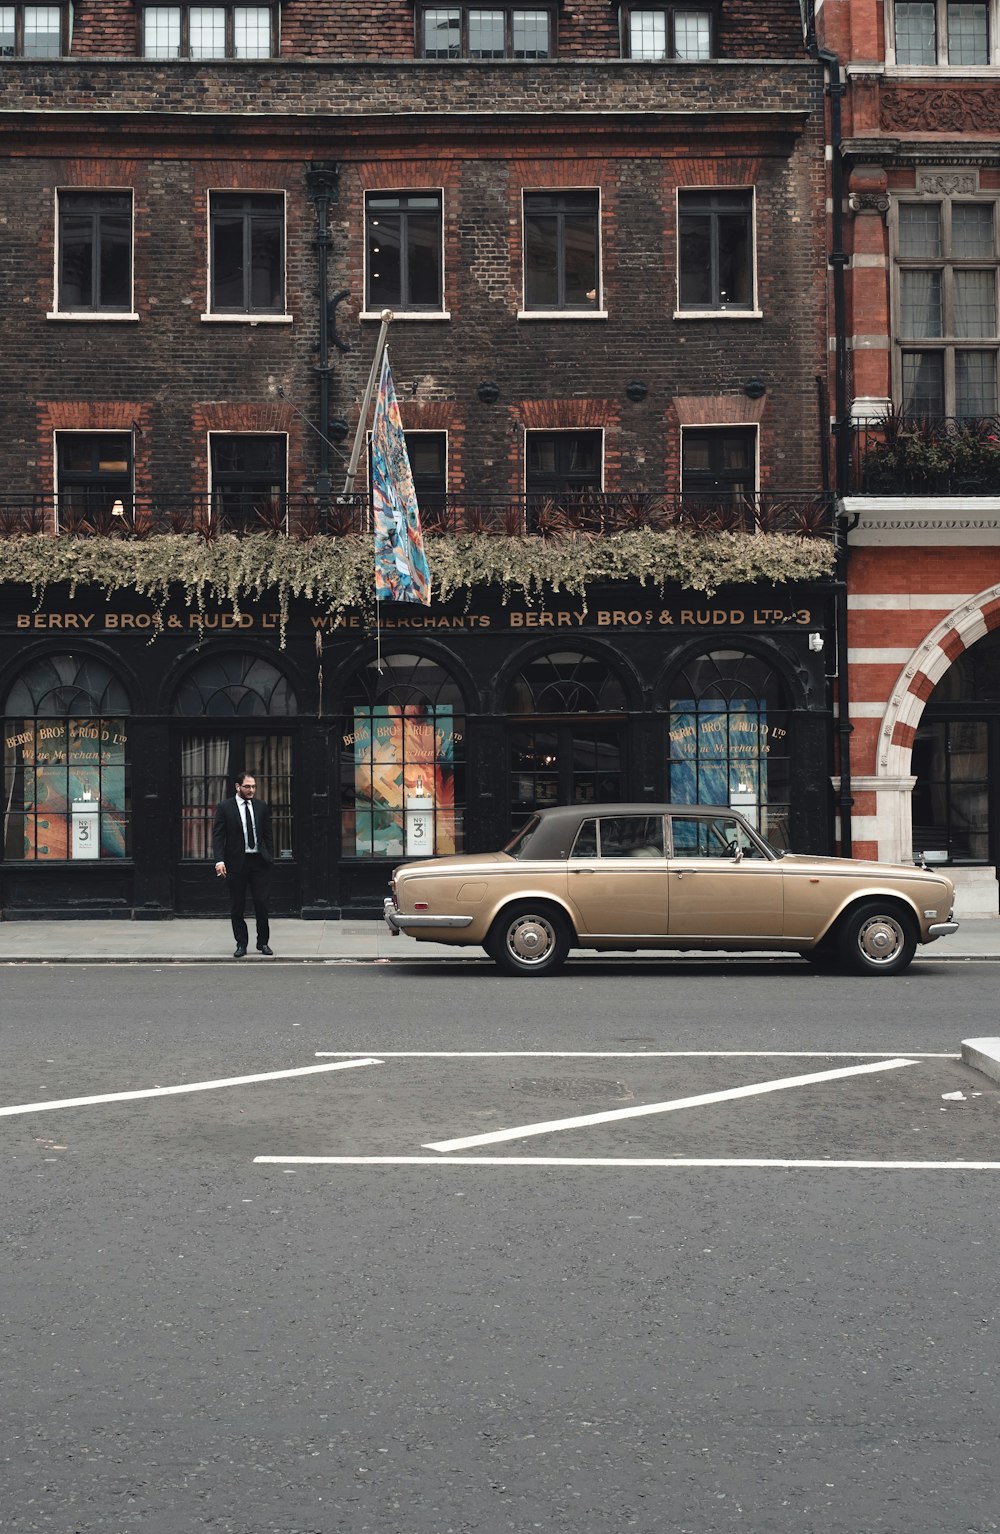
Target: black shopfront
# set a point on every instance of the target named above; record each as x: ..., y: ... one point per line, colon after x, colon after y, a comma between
x: 124, y: 725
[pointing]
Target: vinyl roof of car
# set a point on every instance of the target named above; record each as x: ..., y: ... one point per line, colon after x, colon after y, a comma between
x: 586, y: 811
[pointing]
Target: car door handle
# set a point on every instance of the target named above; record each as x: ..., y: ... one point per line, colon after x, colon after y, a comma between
x: 680, y: 872
x: 581, y: 870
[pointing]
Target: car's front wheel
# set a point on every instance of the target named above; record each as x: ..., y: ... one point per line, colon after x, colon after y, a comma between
x: 531, y: 938
x: 878, y: 938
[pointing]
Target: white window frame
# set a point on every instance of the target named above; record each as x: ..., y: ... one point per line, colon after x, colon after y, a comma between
x: 941, y: 32
x: 720, y: 426
x: 550, y: 431
x: 212, y: 317
x: 573, y: 315
x: 946, y: 346
x: 89, y: 316
x: 754, y: 312
x: 220, y: 431
x: 85, y: 431
x: 434, y: 315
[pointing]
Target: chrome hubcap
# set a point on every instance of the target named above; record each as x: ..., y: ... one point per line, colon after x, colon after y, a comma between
x: 880, y: 939
x: 531, y: 939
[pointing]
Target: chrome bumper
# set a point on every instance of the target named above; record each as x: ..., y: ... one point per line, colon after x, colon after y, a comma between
x: 942, y: 928
x: 397, y: 922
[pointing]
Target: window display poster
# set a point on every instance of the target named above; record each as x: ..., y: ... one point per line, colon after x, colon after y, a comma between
x: 717, y: 750
x: 403, y: 760
x: 52, y: 764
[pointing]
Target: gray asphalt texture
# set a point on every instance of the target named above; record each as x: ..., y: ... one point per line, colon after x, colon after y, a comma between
x: 192, y: 1341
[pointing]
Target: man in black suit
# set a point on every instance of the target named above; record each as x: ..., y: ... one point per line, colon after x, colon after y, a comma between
x: 244, y: 852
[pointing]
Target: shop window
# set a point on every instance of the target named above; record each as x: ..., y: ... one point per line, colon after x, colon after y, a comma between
x: 715, y: 242
x: 231, y: 687
x: 248, y: 482
x: 247, y: 260
x: 947, y: 332
x: 67, y: 788
x: 403, y: 762
x: 95, y: 252
x: 32, y: 31
x: 654, y: 33
x: 931, y: 32
x: 472, y: 32
x: 208, y: 32
x: 728, y: 739
x: 562, y: 261
x: 404, y: 255
x: 93, y: 476
x: 555, y: 759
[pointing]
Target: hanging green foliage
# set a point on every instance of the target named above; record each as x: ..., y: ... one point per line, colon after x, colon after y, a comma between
x: 336, y: 573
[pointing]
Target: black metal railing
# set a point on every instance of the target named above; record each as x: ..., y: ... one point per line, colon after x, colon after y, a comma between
x: 927, y: 455
x: 587, y: 513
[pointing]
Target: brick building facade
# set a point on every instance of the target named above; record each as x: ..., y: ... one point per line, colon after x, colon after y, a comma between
x: 921, y: 476
x: 601, y: 233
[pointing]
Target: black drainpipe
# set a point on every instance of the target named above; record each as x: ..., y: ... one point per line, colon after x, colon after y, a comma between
x: 323, y: 187
x: 838, y: 258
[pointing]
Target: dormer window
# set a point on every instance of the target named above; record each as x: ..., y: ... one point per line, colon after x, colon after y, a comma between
x: 655, y: 34
x: 474, y: 32
x: 32, y: 31
x: 208, y: 32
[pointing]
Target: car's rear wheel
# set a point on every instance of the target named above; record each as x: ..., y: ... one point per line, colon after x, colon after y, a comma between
x: 530, y: 938
x: 878, y: 938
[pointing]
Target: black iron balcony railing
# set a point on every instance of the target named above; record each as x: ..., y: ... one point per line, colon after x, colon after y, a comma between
x: 927, y: 455
x: 587, y: 513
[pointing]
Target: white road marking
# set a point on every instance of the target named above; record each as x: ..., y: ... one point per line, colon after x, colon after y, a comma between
x: 191, y: 1086
x: 551, y: 1126
x: 613, y: 1161
x: 641, y: 1054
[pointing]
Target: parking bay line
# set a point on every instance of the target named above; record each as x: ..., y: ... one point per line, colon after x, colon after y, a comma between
x: 552, y: 1126
x: 641, y: 1054
x: 191, y: 1086
x: 676, y: 1163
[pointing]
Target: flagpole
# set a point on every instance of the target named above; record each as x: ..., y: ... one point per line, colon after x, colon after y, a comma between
x: 352, y: 468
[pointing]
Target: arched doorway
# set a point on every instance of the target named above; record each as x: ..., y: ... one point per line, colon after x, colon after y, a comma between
x: 956, y: 761
x: 729, y: 738
x: 566, y: 718
x: 238, y: 701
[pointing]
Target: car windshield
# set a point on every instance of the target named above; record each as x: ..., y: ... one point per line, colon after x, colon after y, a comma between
x: 515, y: 847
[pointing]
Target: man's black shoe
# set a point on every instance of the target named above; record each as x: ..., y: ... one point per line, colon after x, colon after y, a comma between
x: 241, y: 951
x: 265, y: 950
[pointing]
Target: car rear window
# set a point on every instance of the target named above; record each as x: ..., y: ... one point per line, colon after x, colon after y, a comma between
x: 516, y: 846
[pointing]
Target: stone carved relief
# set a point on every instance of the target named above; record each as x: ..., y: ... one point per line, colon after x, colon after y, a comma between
x: 946, y: 183
x: 940, y: 111
x: 868, y: 202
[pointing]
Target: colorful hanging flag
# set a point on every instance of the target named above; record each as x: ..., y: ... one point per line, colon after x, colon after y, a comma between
x: 401, y: 573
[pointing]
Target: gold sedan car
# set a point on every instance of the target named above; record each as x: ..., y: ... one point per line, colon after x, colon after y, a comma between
x: 627, y: 877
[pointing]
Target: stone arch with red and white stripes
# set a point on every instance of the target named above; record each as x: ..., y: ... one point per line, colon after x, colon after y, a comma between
x: 979, y: 616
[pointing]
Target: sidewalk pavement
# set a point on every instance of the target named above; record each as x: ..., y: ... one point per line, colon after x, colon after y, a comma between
x: 199, y: 941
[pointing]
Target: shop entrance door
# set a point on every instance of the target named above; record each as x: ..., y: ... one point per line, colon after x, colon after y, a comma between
x: 205, y: 764
x: 563, y: 762
x: 956, y: 797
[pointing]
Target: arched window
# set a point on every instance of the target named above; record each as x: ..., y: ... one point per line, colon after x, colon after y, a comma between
x: 567, y: 753
x: 403, y: 761
x: 235, y: 684
x: 66, y: 789
x: 729, y: 739
x: 233, y: 689
x: 565, y: 682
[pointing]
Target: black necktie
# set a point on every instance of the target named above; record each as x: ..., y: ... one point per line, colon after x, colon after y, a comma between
x: 251, y: 844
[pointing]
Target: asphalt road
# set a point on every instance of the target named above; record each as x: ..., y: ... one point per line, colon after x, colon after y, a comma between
x: 616, y: 1324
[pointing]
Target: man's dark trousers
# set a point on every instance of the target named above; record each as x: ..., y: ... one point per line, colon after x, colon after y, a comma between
x: 255, y: 874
